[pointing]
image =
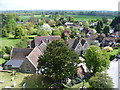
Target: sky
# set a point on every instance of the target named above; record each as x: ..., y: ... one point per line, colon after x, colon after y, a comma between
x: 109, y: 5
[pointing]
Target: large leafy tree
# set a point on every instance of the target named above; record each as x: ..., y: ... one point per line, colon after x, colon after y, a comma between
x: 19, y: 31
x: 101, y: 81
x: 96, y: 59
x: 58, y: 61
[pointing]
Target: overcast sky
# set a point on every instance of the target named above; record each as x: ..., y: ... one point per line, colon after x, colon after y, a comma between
x: 111, y: 5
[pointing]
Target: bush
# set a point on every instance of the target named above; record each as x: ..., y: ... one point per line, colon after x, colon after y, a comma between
x: 1, y: 53
x: 101, y: 80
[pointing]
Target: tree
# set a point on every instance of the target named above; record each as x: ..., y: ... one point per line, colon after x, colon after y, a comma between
x: 105, y: 20
x: 106, y: 30
x: 115, y: 22
x: 23, y: 43
x: 74, y: 32
x: 70, y: 19
x: 56, y: 32
x: 42, y: 32
x: 52, y: 23
x: 99, y: 26
x: 58, y: 61
x: 96, y: 59
x: 8, y: 24
x: 30, y: 28
x: 117, y: 27
x: 33, y: 20
x: 4, y: 32
x: 87, y: 24
x: 19, y: 31
x: 101, y: 81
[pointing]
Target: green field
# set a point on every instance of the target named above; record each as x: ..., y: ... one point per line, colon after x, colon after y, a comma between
x: 87, y: 18
x: 8, y: 42
x: 25, y: 18
x: 76, y: 17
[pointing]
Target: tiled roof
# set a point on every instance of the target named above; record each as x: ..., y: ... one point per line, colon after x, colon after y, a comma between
x: 70, y: 43
x: 14, y: 63
x: 34, y: 56
x: 42, y: 47
x: 20, y: 53
x: 39, y: 39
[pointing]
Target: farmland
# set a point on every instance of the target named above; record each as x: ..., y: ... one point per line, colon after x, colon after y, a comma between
x: 76, y: 17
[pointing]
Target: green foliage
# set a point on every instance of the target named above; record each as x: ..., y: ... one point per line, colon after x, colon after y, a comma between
x: 2, y: 61
x: 96, y: 59
x: 106, y: 29
x: 7, y: 49
x: 105, y: 20
x: 42, y: 32
x: 4, y: 32
x: 58, y: 61
x: 70, y: 18
x: 52, y: 23
x: 115, y: 23
x: 38, y: 81
x: 113, y: 53
x: 101, y: 80
x: 117, y: 27
x: 30, y: 28
x: 56, y: 32
x: 74, y: 32
x: 99, y: 26
x: 23, y: 43
x: 19, y: 31
x: 8, y: 24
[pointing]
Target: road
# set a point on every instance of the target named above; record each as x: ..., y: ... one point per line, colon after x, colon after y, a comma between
x: 113, y: 72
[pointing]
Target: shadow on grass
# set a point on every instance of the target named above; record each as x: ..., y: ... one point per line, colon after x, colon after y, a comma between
x: 37, y: 81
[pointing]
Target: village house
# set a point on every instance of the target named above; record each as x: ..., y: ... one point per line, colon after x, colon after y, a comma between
x: 38, y: 40
x: 23, y: 59
x: 79, y: 45
x: 108, y: 41
x: 26, y: 59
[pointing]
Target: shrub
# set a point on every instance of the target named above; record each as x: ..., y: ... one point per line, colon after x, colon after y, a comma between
x: 101, y: 80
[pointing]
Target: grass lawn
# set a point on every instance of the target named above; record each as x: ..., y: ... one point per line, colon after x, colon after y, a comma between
x: 11, y: 41
x: 8, y: 42
x: 6, y: 77
x: 2, y: 61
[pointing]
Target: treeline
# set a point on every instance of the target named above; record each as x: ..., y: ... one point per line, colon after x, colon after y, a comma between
x: 63, y: 12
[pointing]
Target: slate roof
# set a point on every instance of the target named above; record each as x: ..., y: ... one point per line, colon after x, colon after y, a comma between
x: 70, y: 43
x: 34, y: 56
x: 20, y: 53
x: 15, y: 63
x: 42, y: 47
x: 39, y: 39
